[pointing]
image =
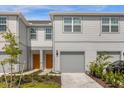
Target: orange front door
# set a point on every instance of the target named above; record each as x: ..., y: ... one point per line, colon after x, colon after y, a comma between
x: 36, y: 61
x: 49, y: 63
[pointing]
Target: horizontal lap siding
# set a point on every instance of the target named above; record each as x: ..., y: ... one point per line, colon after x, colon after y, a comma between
x: 12, y: 25
x: 91, y: 31
x: 40, y: 40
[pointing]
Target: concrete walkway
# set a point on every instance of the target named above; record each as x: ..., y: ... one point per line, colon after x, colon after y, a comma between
x: 24, y: 73
x: 78, y: 80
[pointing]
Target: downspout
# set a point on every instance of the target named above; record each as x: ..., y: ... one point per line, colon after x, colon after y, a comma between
x: 18, y: 39
x: 53, y: 43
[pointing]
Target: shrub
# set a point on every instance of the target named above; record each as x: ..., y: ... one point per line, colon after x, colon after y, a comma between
x: 115, y: 79
x: 97, y: 67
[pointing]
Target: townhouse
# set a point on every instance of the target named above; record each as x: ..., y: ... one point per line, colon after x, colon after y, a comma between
x: 66, y: 43
x: 17, y: 24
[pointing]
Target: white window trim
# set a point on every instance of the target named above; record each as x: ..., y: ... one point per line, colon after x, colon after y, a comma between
x: 33, y: 33
x: 110, y: 24
x: 72, y: 24
x: 4, y: 24
x: 48, y: 34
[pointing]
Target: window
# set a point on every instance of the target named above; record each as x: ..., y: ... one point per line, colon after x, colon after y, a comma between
x: 33, y: 33
x: 2, y: 23
x: 72, y: 24
x: 48, y: 33
x: 109, y: 24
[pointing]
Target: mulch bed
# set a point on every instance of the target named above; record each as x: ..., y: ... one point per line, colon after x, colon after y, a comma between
x: 101, y: 82
x: 56, y: 79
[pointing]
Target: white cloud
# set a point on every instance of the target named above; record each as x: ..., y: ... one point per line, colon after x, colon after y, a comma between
x: 27, y: 9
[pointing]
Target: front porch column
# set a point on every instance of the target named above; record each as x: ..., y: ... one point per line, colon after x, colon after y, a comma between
x: 41, y: 60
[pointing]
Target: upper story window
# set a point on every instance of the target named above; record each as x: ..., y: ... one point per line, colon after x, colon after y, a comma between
x: 48, y: 33
x: 72, y: 24
x: 33, y: 34
x: 3, y: 24
x: 109, y: 24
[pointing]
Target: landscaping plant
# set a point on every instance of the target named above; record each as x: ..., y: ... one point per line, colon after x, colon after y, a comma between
x: 11, y: 48
x: 115, y: 79
x: 97, y: 67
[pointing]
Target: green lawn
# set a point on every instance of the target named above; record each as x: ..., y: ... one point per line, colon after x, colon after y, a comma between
x: 35, y: 81
x: 36, y: 85
x: 41, y: 85
x: 2, y: 85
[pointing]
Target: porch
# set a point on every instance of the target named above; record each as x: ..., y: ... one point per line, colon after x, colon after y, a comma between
x: 42, y: 59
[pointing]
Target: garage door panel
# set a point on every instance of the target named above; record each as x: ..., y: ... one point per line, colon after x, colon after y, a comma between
x: 114, y: 56
x: 72, y: 62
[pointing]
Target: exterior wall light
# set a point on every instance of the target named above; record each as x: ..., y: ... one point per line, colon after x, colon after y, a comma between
x: 56, y: 52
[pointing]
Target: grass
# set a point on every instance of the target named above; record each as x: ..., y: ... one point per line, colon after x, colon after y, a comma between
x: 36, y: 85
x: 35, y: 81
x: 2, y: 85
x: 41, y: 85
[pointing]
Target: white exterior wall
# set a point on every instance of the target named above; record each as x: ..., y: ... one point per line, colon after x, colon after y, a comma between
x: 90, y: 40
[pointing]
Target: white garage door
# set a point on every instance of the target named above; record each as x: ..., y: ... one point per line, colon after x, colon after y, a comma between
x: 115, y: 56
x: 72, y: 62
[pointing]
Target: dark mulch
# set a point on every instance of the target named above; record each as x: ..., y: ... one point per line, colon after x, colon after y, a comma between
x: 57, y: 79
x: 101, y: 82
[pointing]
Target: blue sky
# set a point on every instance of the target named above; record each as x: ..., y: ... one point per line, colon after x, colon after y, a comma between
x: 40, y: 12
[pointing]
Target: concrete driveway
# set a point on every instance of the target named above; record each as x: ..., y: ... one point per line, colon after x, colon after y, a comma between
x: 78, y: 80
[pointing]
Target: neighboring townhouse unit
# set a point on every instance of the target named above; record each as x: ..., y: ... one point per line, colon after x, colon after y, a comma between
x: 17, y: 24
x: 67, y: 43
x: 41, y: 45
x: 79, y: 37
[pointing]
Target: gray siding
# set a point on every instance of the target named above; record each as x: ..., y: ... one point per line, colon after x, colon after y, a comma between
x: 90, y: 40
x: 12, y: 26
x: 23, y: 43
x: 91, y: 30
x: 41, y: 41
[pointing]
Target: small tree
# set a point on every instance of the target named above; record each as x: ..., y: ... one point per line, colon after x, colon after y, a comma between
x: 11, y: 48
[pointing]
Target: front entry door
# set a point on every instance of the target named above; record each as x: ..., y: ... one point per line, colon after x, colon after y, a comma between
x: 49, y: 63
x: 36, y: 61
